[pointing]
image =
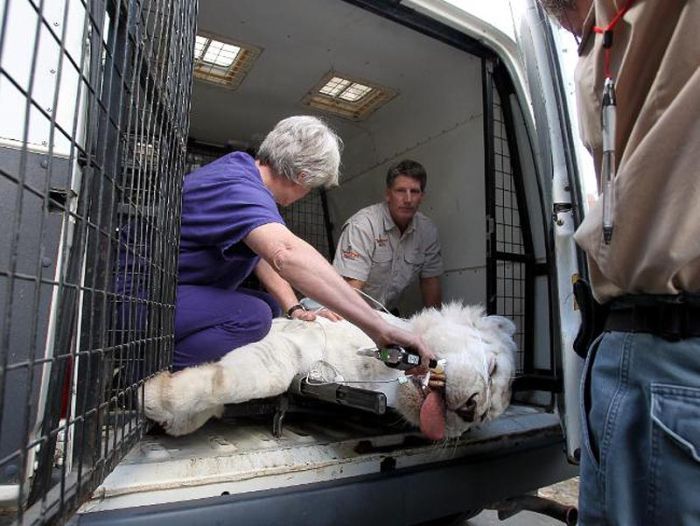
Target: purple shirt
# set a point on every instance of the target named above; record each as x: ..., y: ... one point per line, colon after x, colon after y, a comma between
x: 222, y: 203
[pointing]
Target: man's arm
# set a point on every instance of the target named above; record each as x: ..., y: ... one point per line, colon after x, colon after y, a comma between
x: 355, y: 283
x: 352, y: 256
x: 431, y: 291
x: 430, y: 287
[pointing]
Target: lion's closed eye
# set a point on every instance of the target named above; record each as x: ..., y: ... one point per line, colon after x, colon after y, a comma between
x: 467, y: 411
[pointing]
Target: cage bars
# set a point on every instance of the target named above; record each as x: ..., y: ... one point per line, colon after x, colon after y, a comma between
x: 88, y: 272
x: 510, y: 265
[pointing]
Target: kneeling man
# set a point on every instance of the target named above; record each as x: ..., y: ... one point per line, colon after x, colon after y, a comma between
x: 384, y: 247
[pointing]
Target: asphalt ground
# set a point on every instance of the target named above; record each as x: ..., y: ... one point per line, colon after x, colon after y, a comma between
x: 565, y: 493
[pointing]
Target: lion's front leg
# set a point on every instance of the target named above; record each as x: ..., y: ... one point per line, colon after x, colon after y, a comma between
x: 181, y: 401
x: 266, y: 368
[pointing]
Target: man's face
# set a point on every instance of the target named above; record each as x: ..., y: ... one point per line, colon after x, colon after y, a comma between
x: 570, y: 17
x: 403, y: 197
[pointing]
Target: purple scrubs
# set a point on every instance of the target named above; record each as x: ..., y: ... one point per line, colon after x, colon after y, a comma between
x: 222, y: 203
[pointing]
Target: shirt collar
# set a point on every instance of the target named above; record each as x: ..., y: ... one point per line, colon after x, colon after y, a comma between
x: 389, y: 222
x: 587, y: 28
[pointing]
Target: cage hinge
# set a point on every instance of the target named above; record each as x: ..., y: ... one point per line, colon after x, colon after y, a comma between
x: 558, y: 208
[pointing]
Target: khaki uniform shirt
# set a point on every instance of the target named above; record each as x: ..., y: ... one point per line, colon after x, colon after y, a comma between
x: 372, y: 249
x: 655, y: 247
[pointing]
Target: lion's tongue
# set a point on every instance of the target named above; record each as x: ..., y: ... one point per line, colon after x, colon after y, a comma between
x: 432, y: 416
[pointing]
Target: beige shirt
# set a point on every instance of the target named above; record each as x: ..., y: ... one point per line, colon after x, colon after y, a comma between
x: 655, y: 248
x: 372, y: 249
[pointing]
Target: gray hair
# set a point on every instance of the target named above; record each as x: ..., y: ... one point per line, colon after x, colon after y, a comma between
x: 557, y: 7
x: 303, y: 146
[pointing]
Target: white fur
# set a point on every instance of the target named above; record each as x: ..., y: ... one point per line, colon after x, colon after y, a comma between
x: 471, y: 342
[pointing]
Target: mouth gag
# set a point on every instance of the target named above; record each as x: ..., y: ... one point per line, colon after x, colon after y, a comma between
x: 435, y: 377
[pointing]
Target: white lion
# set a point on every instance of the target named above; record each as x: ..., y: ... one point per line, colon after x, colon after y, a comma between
x: 480, y: 359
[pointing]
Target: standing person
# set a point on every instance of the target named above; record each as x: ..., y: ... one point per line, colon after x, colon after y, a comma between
x: 231, y: 227
x: 640, y: 460
x: 384, y: 247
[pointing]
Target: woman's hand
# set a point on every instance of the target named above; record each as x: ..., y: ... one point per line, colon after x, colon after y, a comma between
x: 328, y: 313
x: 310, y: 315
x: 394, y: 335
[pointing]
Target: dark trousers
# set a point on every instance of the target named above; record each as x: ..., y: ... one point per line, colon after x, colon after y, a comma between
x: 210, y: 322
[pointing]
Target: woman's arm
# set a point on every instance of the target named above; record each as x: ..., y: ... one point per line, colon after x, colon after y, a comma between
x: 275, y: 285
x: 306, y: 270
x: 284, y: 294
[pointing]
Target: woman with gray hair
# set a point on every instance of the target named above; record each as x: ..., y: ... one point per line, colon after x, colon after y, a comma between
x: 231, y: 227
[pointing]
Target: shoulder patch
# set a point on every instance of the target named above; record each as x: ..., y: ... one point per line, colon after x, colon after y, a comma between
x: 349, y: 253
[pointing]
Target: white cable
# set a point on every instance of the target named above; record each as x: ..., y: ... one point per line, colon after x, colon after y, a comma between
x: 377, y: 302
x: 400, y: 380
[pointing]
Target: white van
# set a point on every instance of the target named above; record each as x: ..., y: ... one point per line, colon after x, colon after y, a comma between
x: 474, y: 91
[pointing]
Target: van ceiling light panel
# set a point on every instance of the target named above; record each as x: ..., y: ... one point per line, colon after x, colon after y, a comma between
x: 349, y: 98
x: 355, y: 92
x: 221, y: 62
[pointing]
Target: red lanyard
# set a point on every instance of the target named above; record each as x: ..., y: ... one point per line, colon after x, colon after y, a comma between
x: 607, y: 33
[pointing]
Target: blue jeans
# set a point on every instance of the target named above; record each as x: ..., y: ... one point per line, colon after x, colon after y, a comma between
x: 640, y: 410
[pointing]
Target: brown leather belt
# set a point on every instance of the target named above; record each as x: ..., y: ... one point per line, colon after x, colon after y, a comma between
x: 669, y: 317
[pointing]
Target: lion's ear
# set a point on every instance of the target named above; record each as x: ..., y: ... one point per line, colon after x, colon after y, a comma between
x: 499, y: 324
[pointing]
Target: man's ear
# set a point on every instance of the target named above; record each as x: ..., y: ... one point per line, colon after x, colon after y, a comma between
x: 386, y: 194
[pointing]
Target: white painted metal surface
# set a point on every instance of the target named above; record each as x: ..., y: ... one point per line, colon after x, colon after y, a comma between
x: 226, y: 457
x: 563, y: 222
x: 37, y: 72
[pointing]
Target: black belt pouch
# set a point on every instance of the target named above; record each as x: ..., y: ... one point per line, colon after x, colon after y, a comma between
x: 593, y: 316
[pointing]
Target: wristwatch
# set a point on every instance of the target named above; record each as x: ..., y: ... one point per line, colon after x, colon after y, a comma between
x: 293, y: 308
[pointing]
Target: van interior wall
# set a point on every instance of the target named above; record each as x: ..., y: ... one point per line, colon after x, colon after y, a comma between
x: 443, y: 131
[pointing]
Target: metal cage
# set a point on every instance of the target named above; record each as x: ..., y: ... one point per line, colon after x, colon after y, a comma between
x: 510, y: 279
x: 95, y: 114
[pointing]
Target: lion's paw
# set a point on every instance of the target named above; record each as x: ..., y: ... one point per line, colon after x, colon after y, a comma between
x: 155, y: 402
x: 175, y: 413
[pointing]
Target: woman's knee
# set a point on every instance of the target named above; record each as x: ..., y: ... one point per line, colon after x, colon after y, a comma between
x: 254, y: 320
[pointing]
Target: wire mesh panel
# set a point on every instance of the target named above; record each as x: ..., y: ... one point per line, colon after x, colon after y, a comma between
x: 95, y: 101
x: 308, y: 218
x: 510, y: 275
x: 510, y: 252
